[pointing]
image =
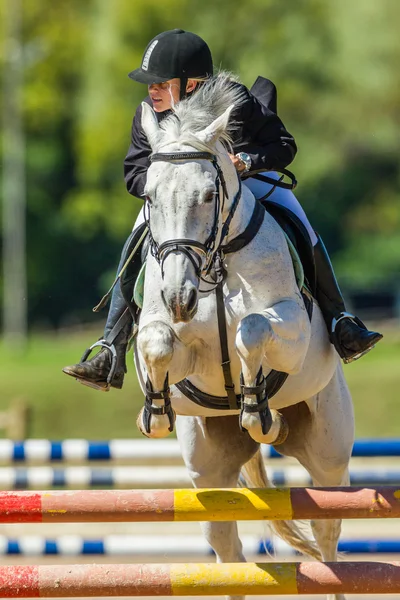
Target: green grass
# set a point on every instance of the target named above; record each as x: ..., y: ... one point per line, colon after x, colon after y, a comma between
x: 61, y: 407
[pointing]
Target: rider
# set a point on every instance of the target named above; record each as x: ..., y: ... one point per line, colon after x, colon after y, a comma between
x: 174, y: 64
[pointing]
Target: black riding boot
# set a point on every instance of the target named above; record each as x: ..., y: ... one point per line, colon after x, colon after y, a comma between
x: 108, y: 367
x: 347, y: 333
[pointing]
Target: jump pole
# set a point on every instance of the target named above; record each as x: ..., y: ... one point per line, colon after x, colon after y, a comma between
x: 67, y: 581
x: 94, y: 506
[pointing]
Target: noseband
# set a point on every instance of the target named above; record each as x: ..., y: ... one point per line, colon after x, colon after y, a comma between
x: 201, y: 255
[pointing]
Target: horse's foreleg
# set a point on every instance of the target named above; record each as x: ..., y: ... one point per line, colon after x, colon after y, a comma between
x: 279, y: 335
x: 167, y: 360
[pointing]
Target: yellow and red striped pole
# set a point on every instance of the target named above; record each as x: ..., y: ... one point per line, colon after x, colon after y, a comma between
x: 67, y: 581
x: 199, y: 505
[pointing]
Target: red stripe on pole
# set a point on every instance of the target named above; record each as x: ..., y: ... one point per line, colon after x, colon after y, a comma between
x: 20, y: 507
x: 346, y: 503
x: 349, y: 578
x: 19, y: 582
x: 97, y: 506
x: 66, y: 581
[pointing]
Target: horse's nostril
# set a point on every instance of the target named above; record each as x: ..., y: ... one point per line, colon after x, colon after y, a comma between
x: 191, y: 303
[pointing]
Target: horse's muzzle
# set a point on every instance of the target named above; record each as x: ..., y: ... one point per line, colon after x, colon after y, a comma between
x: 182, y: 306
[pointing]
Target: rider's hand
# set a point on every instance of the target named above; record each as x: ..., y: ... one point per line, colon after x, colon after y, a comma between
x: 239, y: 164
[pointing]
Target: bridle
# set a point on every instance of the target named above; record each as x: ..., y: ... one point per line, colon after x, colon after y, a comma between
x: 201, y: 255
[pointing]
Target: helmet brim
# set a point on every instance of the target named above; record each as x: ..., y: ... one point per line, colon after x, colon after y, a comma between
x: 145, y: 77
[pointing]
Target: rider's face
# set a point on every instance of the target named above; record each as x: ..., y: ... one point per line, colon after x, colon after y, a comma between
x: 164, y: 95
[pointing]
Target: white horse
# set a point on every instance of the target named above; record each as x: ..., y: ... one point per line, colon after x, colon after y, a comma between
x: 267, y: 327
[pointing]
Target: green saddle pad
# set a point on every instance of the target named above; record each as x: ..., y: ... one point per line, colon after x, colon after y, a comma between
x: 297, y: 266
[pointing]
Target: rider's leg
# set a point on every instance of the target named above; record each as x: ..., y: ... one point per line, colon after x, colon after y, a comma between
x: 283, y: 197
x: 97, y: 371
x: 348, y: 334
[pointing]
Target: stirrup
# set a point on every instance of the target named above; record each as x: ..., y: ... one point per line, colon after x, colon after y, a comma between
x: 101, y: 344
x: 357, y: 321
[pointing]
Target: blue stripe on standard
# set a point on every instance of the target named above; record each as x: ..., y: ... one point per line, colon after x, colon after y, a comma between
x: 93, y: 547
x: 19, y: 451
x: 99, y: 451
x: 377, y: 447
x: 21, y: 481
x: 56, y: 452
x: 13, y: 547
x: 59, y: 479
x: 51, y: 547
x: 102, y: 477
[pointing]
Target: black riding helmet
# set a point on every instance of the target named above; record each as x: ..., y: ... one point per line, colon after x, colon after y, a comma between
x: 174, y: 54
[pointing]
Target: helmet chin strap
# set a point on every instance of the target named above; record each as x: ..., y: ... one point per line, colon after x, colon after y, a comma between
x: 182, y: 91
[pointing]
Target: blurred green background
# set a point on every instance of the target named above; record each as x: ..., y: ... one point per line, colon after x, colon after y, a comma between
x: 336, y: 67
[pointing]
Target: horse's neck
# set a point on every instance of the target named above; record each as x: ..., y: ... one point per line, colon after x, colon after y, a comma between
x: 243, y: 213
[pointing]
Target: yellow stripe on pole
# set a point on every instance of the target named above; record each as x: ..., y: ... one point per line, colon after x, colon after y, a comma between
x: 232, y: 504
x: 233, y: 579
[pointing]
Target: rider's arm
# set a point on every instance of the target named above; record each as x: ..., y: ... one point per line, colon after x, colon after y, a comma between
x: 137, y: 161
x: 263, y: 136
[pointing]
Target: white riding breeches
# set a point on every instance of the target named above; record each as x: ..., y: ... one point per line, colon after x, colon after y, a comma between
x: 281, y: 196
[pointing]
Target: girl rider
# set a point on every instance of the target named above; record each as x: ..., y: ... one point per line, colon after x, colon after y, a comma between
x: 174, y: 64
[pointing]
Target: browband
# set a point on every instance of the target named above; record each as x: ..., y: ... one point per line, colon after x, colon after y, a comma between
x: 183, y: 156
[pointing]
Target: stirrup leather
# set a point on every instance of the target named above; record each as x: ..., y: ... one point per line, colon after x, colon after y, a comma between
x: 335, y: 341
x: 111, y: 348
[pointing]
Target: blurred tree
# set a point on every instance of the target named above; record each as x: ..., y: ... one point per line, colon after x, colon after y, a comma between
x: 336, y: 69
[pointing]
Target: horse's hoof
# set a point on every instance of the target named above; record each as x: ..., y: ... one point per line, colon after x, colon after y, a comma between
x: 276, y: 434
x: 280, y: 421
x: 159, y: 425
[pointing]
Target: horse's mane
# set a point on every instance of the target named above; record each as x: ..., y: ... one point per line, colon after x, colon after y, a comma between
x: 196, y: 112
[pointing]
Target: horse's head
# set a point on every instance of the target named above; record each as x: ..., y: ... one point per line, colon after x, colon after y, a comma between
x: 185, y: 203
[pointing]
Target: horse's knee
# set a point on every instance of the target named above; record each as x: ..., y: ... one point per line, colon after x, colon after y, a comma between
x: 252, y: 333
x: 156, y: 345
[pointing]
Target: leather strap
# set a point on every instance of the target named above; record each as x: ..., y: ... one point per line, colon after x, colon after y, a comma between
x: 276, y: 182
x: 244, y: 238
x: 223, y: 340
x: 119, y: 325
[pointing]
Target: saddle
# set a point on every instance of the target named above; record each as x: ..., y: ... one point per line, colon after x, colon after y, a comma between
x: 297, y: 236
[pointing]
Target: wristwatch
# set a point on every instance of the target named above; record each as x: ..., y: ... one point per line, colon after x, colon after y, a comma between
x: 246, y: 160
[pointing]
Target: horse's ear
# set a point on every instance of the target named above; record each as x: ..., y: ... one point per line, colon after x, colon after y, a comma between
x: 149, y: 123
x: 210, y: 134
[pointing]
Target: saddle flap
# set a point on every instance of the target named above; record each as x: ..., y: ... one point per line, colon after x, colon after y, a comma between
x: 299, y: 240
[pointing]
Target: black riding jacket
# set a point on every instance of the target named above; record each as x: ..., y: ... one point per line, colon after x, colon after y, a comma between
x: 261, y: 134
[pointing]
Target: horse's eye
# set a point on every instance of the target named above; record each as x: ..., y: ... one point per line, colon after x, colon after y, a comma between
x: 209, y: 197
